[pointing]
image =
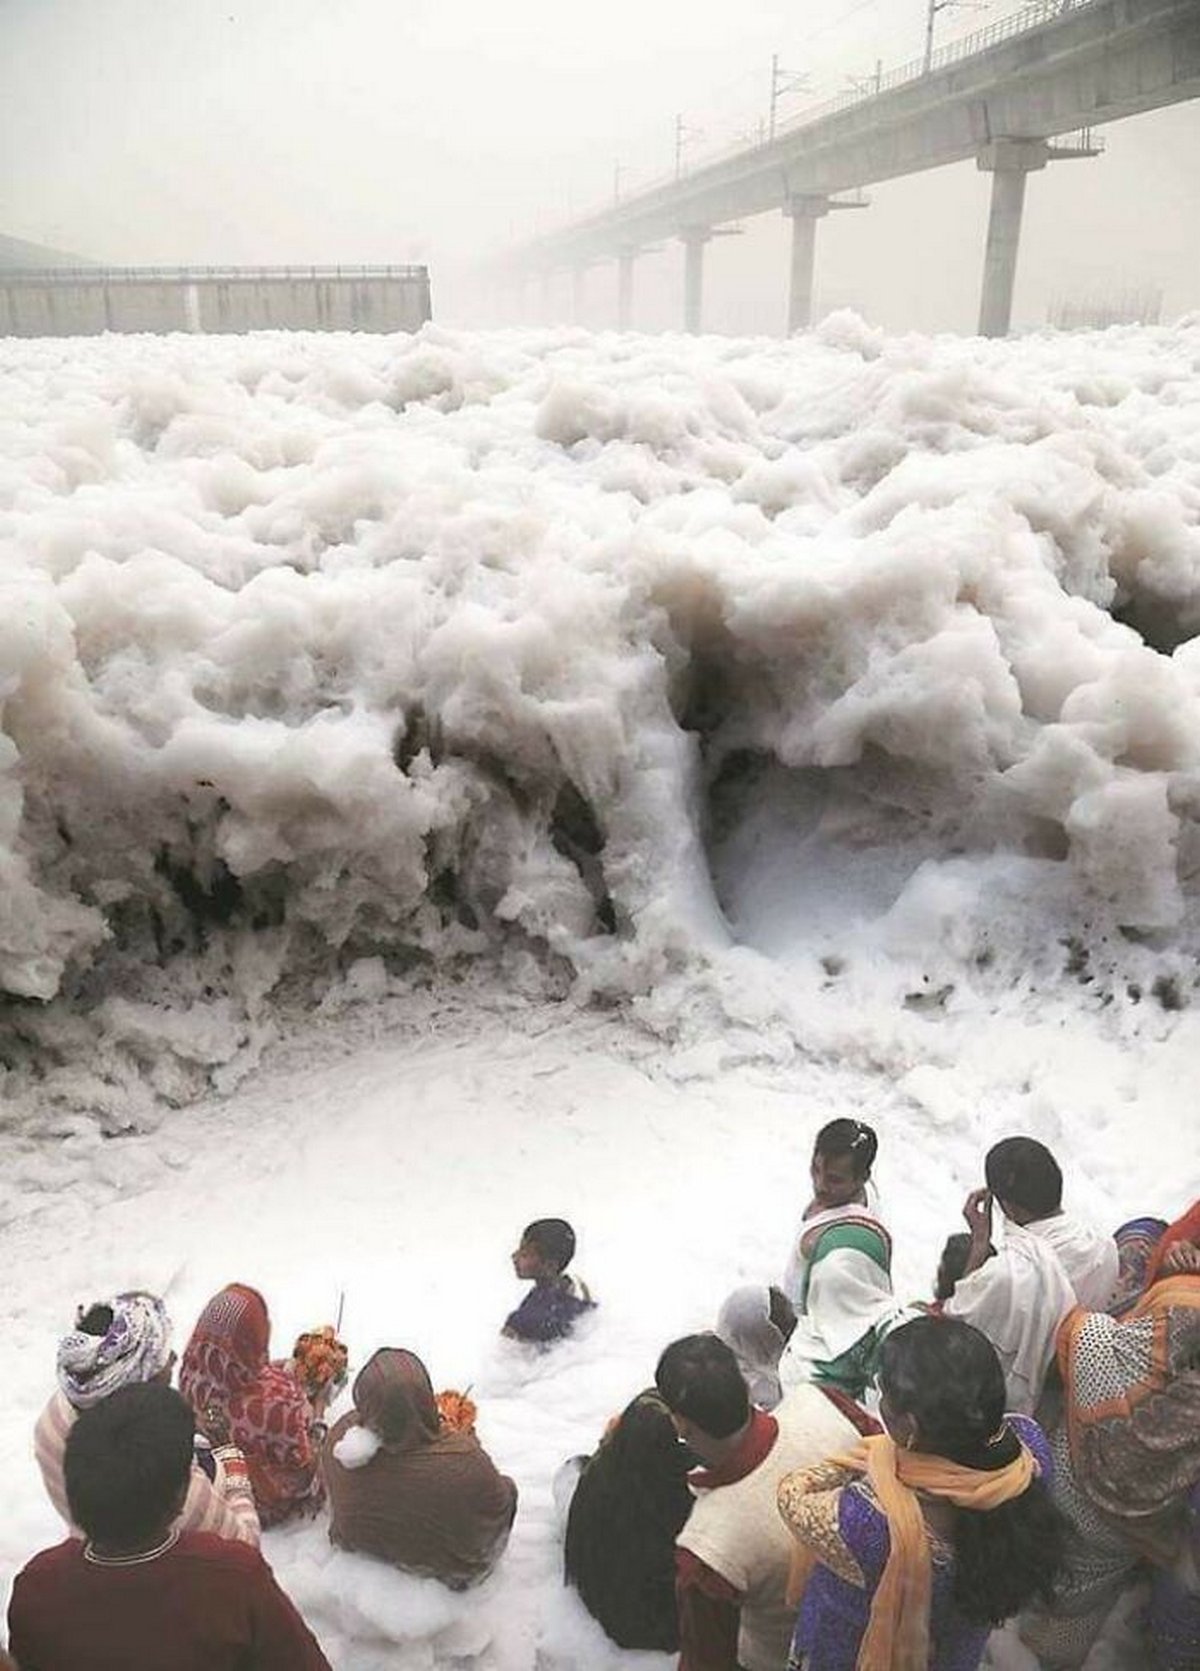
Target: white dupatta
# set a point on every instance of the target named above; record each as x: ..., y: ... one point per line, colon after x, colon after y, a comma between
x: 838, y: 1300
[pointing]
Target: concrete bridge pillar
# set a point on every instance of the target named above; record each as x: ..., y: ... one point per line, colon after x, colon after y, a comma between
x: 694, y: 240
x: 625, y: 260
x: 804, y: 212
x: 544, y: 296
x: 1008, y: 161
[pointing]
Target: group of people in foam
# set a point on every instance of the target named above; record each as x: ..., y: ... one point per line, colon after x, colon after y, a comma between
x: 166, y: 1492
x: 832, y: 1479
x: 881, y: 1482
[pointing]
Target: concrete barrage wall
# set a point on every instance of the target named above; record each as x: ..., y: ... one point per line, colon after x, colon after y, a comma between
x: 51, y: 310
x: 87, y: 301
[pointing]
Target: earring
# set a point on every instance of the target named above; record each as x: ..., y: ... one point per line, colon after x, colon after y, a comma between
x: 908, y: 1443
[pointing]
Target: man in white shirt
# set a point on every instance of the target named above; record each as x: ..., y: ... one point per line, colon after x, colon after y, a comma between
x: 734, y: 1552
x: 1050, y: 1262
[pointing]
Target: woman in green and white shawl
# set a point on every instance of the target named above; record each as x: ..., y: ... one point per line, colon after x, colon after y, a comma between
x: 839, y: 1274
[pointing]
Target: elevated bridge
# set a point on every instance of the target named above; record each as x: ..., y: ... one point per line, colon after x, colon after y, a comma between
x: 1005, y: 96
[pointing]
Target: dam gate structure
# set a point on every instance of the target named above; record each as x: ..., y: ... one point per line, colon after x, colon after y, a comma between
x: 86, y: 301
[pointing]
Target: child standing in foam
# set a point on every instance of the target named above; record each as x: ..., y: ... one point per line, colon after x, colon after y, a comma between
x: 838, y: 1276
x: 557, y: 1301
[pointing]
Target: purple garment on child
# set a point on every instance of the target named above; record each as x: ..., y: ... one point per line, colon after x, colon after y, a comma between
x: 549, y: 1311
x: 834, y: 1613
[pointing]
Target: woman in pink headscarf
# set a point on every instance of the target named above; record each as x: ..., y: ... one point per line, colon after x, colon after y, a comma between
x: 226, y: 1368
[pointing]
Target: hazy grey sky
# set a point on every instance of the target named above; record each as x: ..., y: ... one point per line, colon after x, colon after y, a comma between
x: 325, y: 130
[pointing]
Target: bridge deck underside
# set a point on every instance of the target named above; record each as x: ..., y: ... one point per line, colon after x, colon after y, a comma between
x: 1098, y: 64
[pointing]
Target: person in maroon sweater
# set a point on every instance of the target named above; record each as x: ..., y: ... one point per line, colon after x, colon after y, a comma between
x: 138, y: 1596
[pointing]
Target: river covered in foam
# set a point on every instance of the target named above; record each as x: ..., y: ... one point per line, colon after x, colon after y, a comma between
x: 455, y: 778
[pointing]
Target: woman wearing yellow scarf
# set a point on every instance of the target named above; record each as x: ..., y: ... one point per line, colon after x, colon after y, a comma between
x: 914, y: 1545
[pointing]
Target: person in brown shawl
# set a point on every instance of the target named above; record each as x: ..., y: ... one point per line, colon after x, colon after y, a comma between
x: 407, y: 1489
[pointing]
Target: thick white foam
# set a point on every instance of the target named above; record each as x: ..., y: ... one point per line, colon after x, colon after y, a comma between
x: 311, y: 633
x: 302, y: 641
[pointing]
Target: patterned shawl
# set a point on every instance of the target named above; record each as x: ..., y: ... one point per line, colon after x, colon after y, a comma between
x: 269, y: 1416
x: 134, y: 1348
x: 1133, y: 1411
x: 1136, y: 1242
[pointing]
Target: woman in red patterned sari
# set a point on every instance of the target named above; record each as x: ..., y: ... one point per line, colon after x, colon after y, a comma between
x: 226, y: 1367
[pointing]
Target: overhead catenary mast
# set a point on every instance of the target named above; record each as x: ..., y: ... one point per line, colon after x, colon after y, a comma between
x: 783, y: 81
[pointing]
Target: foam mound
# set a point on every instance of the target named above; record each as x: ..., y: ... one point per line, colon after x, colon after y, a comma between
x: 601, y: 652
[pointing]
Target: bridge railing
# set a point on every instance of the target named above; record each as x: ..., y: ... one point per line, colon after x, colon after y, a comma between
x: 1032, y: 16
x: 197, y: 275
x: 1083, y: 142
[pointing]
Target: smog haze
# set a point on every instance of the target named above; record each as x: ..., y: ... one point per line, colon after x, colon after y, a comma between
x: 270, y: 131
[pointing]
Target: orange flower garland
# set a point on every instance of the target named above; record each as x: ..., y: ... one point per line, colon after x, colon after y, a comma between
x: 320, y: 1359
x: 457, y: 1411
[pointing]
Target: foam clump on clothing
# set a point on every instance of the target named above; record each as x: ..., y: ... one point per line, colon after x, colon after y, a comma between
x: 356, y: 1447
